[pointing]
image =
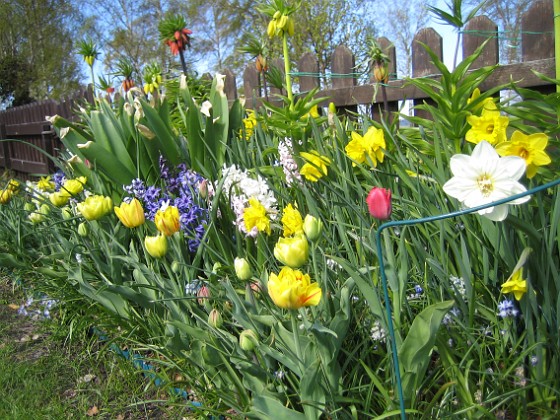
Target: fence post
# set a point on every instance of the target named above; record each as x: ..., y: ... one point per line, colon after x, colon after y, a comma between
x: 47, y: 138
x: 230, y: 88
x: 343, y: 64
x: 422, y: 64
x: 471, y: 41
x: 537, y: 35
x: 309, y: 65
x: 251, y: 86
x: 5, y: 147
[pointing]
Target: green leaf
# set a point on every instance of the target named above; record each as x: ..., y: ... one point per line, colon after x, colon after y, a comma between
x: 266, y: 407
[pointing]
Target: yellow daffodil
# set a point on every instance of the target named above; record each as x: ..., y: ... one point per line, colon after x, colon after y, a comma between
x: 529, y: 147
x: 292, y: 221
x: 371, y: 144
x: 156, y: 246
x: 45, y: 184
x: 255, y: 216
x: 167, y: 220
x: 14, y: 185
x: 249, y: 123
x: 315, y: 166
x: 490, y: 126
x: 313, y: 113
x: 293, y: 252
x: 291, y: 289
x: 130, y: 214
x: 516, y: 284
x: 95, y: 207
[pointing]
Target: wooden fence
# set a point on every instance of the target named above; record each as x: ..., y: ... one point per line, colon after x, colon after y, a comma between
x: 28, y: 126
x: 537, y: 44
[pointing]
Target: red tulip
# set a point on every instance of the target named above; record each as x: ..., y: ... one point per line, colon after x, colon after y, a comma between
x: 379, y: 203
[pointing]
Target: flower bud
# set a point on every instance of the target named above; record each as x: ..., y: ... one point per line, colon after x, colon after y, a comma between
x: 36, y: 217
x: 83, y: 229
x: 28, y: 207
x: 156, y: 246
x: 379, y: 203
x: 293, y: 251
x: 66, y: 213
x: 248, y: 340
x: 242, y: 268
x: 74, y: 186
x: 215, y: 318
x: 203, y: 294
x: 145, y: 131
x: 5, y: 196
x: 312, y: 227
x: 176, y: 267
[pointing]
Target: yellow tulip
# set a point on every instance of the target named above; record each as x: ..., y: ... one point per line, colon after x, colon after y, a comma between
x: 291, y: 289
x: 130, y: 214
x: 74, y: 186
x: 59, y: 198
x: 292, y: 252
x: 167, y: 220
x: 156, y: 245
x: 291, y: 221
x: 6, y: 196
x: 312, y: 227
x: 95, y: 206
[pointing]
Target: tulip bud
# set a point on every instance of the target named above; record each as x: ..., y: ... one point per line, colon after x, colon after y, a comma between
x: 145, y: 131
x: 312, y: 227
x: 203, y: 294
x: 83, y: 229
x: 175, y: 266
x: 248, y: 340
x: 156, y: 246
x: 59, y: 198
x: 293, y: 251
x: 36, y: 217
x: 128, y: 109
x: 379, y: 203
x: 242, y: 268
x: 66, y: 213
x: 215, y: 318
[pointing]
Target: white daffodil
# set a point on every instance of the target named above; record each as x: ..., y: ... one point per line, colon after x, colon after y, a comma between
x: 485, y: 177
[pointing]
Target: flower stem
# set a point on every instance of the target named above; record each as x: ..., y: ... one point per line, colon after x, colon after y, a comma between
x: 294, y: 314
x: 183, y: 63
x: 287, y: 69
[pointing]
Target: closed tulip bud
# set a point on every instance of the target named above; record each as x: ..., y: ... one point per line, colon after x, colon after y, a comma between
x: 44, y: 209
x: 145, y: 131
x: 128, y: 109
x: 29, y: 207
x: 379, y: 203
x: 242, y: 268
x: 36, y: 217
x: 156, y: 246
x: 203, y: 294
x: 95, y: 207
x: 6, y: 196
x: 83, y: 230
x: 312, y: 227
x: 248, y: 340
x: 167, y: 220
x: 66, y: 213
x: 215, y: 318
x: 293, y: 251
x: 175, y: 266
x: 130, y: 214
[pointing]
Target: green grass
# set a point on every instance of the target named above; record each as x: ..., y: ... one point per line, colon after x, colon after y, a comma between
x: 45, y: 375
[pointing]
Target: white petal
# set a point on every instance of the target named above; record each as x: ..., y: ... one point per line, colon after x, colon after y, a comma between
x: 484, y: 151
x: 514, y: 166
x: 460, y: 165
x: 498, y: 213
x: 459, y: 188
x: 205, y: 108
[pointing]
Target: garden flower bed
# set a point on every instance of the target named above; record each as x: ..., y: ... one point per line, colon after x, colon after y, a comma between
x: 290, y: 263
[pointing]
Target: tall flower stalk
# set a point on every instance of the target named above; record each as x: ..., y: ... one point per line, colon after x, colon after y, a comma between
x: 173, y: 31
